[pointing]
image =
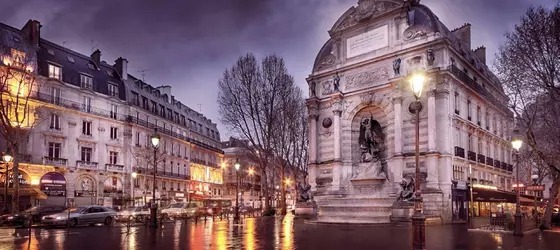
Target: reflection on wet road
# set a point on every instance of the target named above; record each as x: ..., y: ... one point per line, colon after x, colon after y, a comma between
x: 265, y: 233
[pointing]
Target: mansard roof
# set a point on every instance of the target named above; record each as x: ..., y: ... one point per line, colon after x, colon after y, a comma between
x: 101, y: 74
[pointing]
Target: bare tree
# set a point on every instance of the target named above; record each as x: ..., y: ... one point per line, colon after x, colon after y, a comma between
x: 144, y: 160
x: 529, y: 66
x: 18, y: 108
x: 250, y: 103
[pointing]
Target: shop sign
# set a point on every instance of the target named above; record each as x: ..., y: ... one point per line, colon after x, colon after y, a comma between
x: 462, y: 185
x: 179, y: 195
x: 53, y: 184
x: 535, y: 188
x: 113, y: 186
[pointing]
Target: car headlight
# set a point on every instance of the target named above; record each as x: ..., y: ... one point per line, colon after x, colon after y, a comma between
x: 10, y: 217
x: 60, y: 218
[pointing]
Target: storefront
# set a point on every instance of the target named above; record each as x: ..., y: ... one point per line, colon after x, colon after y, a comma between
x: 85, y: 191
x: 492, y: 203
x: 459, y: 201
x: 53, y: 184
x: 28, y: 194
x: 113, y: 192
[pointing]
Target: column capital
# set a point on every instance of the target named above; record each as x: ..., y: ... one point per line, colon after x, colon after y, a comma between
x: 432, y: 93
x: 337, y: 112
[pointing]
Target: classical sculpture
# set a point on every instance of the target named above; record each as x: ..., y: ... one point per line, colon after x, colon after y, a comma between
x: 304, y: 193
x: 430, y: 57
x: 407, y: 192
x: 312, y: 88
x: 336, y: 82
x: 370, y: 139
x: 397, y: 66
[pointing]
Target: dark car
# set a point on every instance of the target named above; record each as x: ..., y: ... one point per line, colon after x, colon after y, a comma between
x: 30, y: 216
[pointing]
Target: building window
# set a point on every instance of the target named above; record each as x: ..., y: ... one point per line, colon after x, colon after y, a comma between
x: 113, y: 157
x: 458, y: 137
x: 183, y: 121
x: 86, y: 128
x: 135, y: 98
x: 55, y: 72
x: 161, y: 110
x: 54, y: 150
x: 170, y: 114
x: 55, y: 122
x: 55, y: 95
x: 114, y: 111
x: 137, y: 138
x: 86, y: 154
x: 456, y: 105
x: 113, y: 90
x: 480, y: 146
x: 469, y: 109
x: 478, y: 115
x: 145, y: 102
x: 114, y: 133
x: 86, y: 106
x: 86, y: 82
x: 470, y: 142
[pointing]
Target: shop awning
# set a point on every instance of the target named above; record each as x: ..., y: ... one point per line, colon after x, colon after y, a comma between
x: 489, y: 195
x: 27, y: 191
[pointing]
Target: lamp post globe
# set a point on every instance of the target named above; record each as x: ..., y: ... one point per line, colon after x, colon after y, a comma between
x: 417, y: 81
x: 7, y: 158
x: 155, y: 139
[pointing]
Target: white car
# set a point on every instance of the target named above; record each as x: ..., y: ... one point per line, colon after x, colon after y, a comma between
x: 138, y: 214
x: 84, y: 215
x: 182, y: 209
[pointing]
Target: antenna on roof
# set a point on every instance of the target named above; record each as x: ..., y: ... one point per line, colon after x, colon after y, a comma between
x: 93, y: 46
x: 200, y: 108
x: 143, y: 72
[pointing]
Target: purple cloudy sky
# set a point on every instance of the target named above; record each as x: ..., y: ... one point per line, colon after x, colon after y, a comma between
x: 188, y: 43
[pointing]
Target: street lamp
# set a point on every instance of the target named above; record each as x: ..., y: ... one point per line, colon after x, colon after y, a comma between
x: 155, y: 139
x: 133, y: 175
x: 236, y: 215
x: 7, y: 158
x: 417, y: 80
x: 516, y: 144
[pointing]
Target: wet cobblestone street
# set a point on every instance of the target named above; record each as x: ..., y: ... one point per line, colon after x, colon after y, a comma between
x: 267, y: 233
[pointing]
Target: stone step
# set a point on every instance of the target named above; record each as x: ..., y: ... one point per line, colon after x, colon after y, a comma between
x: 353, y: 219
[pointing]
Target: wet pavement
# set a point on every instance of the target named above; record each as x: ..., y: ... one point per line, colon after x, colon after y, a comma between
x: 267, y: 233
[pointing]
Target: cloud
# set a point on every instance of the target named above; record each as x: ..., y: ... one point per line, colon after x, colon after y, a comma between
x: 188, y: 44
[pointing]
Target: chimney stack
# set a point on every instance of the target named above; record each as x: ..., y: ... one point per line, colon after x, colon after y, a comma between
x: 480, y: 52
x: 463, y: 33
x: 96, y: 57
x: 121, y: 65
x: 33, y: 31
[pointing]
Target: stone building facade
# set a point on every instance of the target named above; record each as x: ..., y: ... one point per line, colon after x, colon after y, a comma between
x: 362, y: 131
x: 90, y: 130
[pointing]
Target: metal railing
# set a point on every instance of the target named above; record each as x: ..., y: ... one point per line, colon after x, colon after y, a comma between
x: 114, y: 167
x: 58, y: 101
x: 489, y: 161
x: 481, y: 158
x: 54, y: 161
x: 460, y: 152
x: 471, y: 155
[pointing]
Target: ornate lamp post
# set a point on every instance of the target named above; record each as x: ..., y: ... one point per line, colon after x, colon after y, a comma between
x: 7, y: 158
x: 133, y: 175
x: 416, y: 81
x: 155, y: 139
x: 236, y: 215
x: 516, y: 144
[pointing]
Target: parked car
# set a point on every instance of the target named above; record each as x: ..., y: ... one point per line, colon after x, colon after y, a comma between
x: 83, y: 215
x: 137, y: 214
x: 182, y: 210
x: 30, y: 216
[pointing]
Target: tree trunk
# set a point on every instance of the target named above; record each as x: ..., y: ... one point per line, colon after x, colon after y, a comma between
x: 264, y: 189
x: 295, y: 185
x: 282, y: 191
x: 15, y: 175
x: 552, y: 200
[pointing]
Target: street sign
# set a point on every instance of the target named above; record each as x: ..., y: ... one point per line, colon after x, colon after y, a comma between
x: 535, y: 188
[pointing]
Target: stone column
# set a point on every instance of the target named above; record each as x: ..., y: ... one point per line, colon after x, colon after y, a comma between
x: 398, y: 120
x: 337, y: 168
x: 312, y: 106
x: 337, y: 139
x: 432, y: 121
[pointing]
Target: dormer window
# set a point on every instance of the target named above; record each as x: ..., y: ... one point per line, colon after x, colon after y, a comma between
x: 50, y: 51
x: 109, y: 73
x: 91, y: 66
x: 113, y: 90
x: 70, y: 59
x: 55, y: 72
x: 86, y: 82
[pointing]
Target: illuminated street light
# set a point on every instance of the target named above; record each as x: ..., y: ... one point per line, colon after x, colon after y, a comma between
x: 251, y: 171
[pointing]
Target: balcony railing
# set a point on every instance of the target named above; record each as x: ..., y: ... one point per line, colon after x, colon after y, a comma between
x: 132, y: 119
x: 510, y: 167
x: 87, y: 165
x: 489, y: 161
x: 460, y: 152
x: 504, y: 166
x: 471, y: 155
x: 497, y: 164
x: 162, y: 173
x: 54, y: 161
x: 114, y: 167
x: 77, y: 106
x: 481, y: 159
x: 465, y: 78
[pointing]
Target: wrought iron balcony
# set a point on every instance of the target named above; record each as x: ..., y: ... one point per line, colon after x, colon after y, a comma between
x: 114, y: 167
x: 86, y: 165
x: 55, y: 161
x: 55, y: 100
x: 481, y: 158
x: 504, y: 166
x: 489, y: 161
x: 471, y: 155
x: 460, y: 152
x: 497, y: 164
x: 510, y: 167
